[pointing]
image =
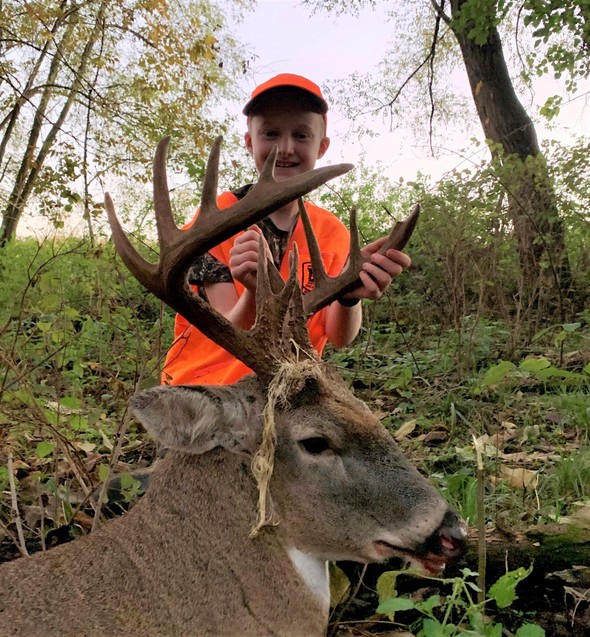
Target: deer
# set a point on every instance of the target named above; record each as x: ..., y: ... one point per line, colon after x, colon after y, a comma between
x: 265, y: 481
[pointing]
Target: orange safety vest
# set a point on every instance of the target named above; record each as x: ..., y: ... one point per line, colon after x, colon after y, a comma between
x: 194, y: 359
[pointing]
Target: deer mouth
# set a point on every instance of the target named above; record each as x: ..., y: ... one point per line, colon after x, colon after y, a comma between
x: 433, y: 555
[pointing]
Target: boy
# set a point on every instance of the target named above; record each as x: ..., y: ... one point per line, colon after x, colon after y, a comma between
x: 288, y: 111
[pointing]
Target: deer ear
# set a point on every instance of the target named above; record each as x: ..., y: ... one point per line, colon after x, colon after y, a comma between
x: 196, y: 419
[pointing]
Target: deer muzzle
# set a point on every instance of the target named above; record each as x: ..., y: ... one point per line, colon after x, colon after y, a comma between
x: 445, y: 545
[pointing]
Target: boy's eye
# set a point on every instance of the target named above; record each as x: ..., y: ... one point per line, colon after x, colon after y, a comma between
x: 269, y: 134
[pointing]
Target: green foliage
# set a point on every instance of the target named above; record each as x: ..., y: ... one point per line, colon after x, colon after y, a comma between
x: 503, y: 592
x: 78, y: 335
x: 476, y: 18
x: 564, y: 27
x: 457, y: 613
x: 535, y: 368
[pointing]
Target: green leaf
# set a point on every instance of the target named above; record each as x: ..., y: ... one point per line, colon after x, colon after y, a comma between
x: 3, y: 478
x: 339, y: 582
x: 497, y: 373
x: 531, y: 364
x: 571, y: 327
x: 560, y: 338
x: 530, y: 630
x: 394, y: 604
x: 71, y: 402
x: 50, y: 302
x: 103, y: 472
x: 386, y: 585
x: 44, y: 448
x: 432, y: 628
x: 429, y: 604
x: 503, y: 592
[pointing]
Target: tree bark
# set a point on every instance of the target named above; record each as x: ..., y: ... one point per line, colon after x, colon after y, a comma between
x: 545, y: 273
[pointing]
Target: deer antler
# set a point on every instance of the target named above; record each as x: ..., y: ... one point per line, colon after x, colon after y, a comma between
x: 280, y: 317
x: 280, y: 331
x: 328, y: 289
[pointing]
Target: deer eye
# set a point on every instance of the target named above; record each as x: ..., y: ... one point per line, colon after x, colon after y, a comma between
x: 316, y: 445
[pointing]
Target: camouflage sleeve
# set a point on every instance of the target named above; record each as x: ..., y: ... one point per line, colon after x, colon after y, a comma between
x: 208, y: 269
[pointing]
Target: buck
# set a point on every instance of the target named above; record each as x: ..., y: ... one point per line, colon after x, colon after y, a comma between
x: 266, y: 480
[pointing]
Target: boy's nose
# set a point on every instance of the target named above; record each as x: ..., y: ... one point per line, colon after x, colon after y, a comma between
x: 285, y: 145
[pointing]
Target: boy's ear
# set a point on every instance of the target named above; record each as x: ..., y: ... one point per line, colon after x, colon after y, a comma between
x: 248, y: 141
x: 324, y: 145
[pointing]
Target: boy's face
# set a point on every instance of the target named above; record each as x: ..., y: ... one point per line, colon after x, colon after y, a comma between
x: 298, y: 132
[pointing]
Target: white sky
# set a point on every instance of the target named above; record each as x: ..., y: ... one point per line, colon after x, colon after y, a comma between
x: 287, y: 38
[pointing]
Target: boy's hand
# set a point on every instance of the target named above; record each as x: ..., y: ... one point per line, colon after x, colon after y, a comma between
x: 243, y: 257
x: 378, y: 272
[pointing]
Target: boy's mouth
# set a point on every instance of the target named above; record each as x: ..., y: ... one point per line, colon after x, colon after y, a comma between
x: 286, y: 164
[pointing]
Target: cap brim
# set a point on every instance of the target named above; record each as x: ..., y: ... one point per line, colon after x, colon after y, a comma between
x: 318, y: 105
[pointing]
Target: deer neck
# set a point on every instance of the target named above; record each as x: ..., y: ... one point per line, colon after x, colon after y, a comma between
x: 215, y: 496
x: 314, y: 572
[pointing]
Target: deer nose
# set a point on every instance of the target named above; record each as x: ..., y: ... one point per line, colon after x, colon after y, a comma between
x: 452, y: 535
x: 448, y: 541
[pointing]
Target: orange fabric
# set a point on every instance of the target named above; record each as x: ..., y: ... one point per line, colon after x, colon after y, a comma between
x: 195, y: 359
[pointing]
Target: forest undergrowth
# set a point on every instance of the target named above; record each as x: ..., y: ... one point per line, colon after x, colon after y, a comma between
x: 497, y: 414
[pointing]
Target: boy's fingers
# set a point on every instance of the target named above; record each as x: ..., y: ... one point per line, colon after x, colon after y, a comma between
x: 391, y: 259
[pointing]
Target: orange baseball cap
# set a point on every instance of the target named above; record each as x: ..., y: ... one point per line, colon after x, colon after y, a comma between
x: 286, y: 81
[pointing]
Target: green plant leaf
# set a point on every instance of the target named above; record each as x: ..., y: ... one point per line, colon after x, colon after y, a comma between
x: 71, y: 402
x: 432, y: 628
x: 386, y: 585
x: 394, y: 604
x: 3, y: 478
x: 339, y: 582
x: 531, y: 364
x: 530, y: 630
x: 503, y: 592
x: 103, y: 472
x: 571, y: 327
x: 497, y: 373
x: 429, y: 604
x: 44, y: 448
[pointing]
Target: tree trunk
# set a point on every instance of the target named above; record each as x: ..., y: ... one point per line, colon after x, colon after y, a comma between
x: 31, y: 166
x: 9, y: 122
x: 545, y: 273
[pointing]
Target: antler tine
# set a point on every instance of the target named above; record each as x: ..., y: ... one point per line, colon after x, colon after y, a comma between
x: 280, y: 332
x: 402, y: 231
x: 209, y: 193
x: 355, y: 257
x: 144, y: 271
x: 319, y: 272
x: 266, y: 174
x: 333, y: 287
x: 297, y: 317
x: 167, y: 229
